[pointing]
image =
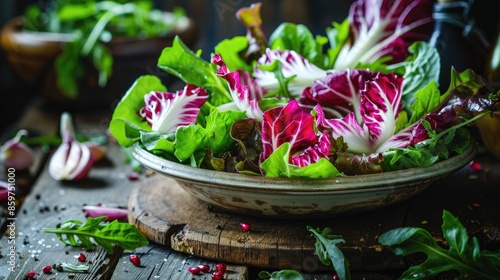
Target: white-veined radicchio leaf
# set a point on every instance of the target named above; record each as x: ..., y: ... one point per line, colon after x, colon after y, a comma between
x: 165, y: 111
x: 295, y: 125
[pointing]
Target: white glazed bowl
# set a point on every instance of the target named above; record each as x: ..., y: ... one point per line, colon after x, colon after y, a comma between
x: 301, y: 198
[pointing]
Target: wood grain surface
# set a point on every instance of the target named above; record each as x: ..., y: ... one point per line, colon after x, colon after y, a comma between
x: 168, y: 215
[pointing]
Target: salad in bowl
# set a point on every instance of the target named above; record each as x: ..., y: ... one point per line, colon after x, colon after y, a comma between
x: 361, y: 99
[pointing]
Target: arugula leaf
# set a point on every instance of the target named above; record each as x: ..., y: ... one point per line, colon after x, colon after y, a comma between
x: 181, y: 62
x: 75, y: 233
x: 281, y: 275
x: 329, y: 253
x: 463, y: 254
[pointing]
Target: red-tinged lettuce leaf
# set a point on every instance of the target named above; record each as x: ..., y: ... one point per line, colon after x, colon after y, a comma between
x: 384, y: 28
x: 243, y: 98
x: 165, y: 111
x: 126, y: 124
x: 288, y: 124
x: 355, y: 164
x: 277, y: 165
x: 463, y: 254
x: 181, y: 62
x: 251, y: 19
x: 215, y: 136
x: 294, y: 67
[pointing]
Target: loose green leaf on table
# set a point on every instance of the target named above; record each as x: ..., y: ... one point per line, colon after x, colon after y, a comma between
x: 463, y: 254
x: 78, y: 234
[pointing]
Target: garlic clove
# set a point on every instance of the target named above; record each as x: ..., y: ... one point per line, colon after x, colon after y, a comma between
x: 15, y: 154
x: 72, y: 160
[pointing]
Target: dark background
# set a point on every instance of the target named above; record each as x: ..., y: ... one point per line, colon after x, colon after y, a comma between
x: 216, y: 20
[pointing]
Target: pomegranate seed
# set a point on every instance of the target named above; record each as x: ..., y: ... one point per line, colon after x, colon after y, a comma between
x: 335, y: 277
x: 475, y: 166
x: 194, y: 270
x: 245, y: 227
x: 135, y: 260
x: 47, y: 269
x: 81, y: 257
x: 218, y: 275
x: 204, y: 268
x: 132, y: 176
x: 221, y: 267
x: 31, y: 274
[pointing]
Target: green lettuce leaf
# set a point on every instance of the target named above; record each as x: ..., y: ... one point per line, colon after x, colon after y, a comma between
x: 181, y: 62
x: 215, y: 136
x: 277, y: 165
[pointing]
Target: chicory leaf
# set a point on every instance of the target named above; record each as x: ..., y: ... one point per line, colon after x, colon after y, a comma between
x: 299, y: 70
x: 165, y: 111
x: 384, y: 28
x: 243, y: 98
x: 125, y: 123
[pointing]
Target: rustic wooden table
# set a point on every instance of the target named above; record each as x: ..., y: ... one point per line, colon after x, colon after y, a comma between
x: 193, y: 233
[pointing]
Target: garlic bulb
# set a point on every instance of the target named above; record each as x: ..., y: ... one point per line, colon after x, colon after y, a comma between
x: 72, y: 160
x: 15, y: 154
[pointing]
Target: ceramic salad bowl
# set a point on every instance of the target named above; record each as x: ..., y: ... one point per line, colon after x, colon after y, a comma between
x: 301, y: 198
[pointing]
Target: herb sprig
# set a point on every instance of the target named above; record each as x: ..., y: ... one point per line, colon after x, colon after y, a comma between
x: 97, y: 232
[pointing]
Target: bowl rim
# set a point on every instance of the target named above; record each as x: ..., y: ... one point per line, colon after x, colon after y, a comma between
x: 251, y: 183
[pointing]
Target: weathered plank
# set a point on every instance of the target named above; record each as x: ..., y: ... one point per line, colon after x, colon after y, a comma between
x: 167, y: 214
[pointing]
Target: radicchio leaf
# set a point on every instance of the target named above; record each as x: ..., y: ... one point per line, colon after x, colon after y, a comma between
x: 294, y: 125
x: 293, y: 65
x: 338, y: 93
x: 381, y: 28
x: 243, y: 98
x: 379, y: 106
x: 165, y: 111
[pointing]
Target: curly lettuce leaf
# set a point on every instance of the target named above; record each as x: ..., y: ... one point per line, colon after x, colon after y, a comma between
x: 215, y: 136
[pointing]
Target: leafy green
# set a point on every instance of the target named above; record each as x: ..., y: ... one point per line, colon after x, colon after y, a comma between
x: 281, y: 275
x: 215, y: 136
x: 91, y: 24
x: 180, y: 61
x: 76, y: 233
x: 329, y: 253
x: 277, y: 165
x: 463, y: 254
x: 126, y: 125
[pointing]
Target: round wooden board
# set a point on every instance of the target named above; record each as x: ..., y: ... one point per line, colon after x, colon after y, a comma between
x: 168, y: 215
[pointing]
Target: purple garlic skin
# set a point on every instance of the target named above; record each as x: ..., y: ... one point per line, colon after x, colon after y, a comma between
x: 15, y: 154
x: 72, y: 160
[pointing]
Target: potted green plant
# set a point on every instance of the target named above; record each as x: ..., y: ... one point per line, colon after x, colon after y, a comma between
x: 84, y: 54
